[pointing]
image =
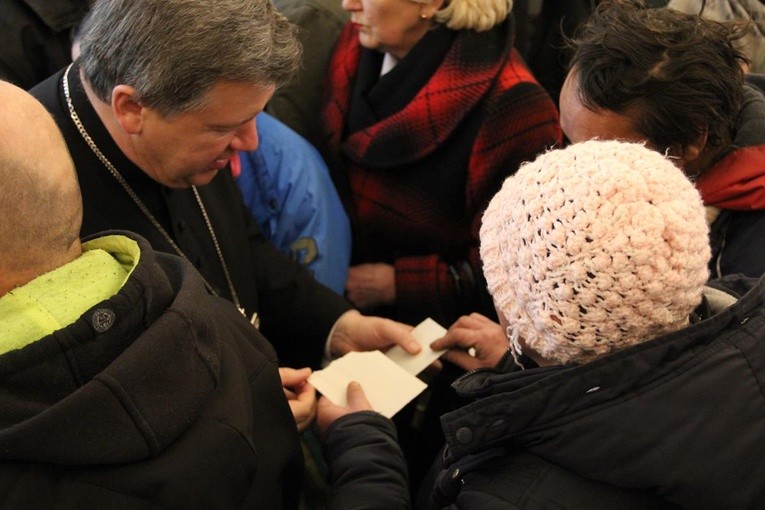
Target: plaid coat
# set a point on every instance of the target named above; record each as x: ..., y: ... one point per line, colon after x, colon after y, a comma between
x: 416, y: 182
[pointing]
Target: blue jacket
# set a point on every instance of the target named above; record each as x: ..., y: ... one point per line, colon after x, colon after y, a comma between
x: 287, y: 187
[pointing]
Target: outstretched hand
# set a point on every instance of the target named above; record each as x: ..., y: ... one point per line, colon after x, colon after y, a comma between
x: 476, y: 332
x: 356, y: 332
x: 301, y: 396
x: 328, y: 412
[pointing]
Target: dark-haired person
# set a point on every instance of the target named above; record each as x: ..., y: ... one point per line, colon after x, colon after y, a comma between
x: 676, y: 81
x: 161, y: 97
x: 631, y: 381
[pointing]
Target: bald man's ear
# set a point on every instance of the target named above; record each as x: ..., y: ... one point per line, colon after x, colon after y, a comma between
x: 127, y: 111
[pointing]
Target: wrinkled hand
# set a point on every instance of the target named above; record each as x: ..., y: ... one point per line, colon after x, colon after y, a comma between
x: 301, y: 396
x: 371, y: 285
x: 474, y: 331
x: 329, y: 412
x: 356, y: 332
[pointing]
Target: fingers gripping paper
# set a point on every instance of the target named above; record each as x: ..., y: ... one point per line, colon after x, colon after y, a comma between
x: 425, y: 333
x: 387, y: 386
x: 389, y: 380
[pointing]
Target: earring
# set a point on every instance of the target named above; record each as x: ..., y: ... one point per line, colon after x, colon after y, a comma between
x: 423, y: 16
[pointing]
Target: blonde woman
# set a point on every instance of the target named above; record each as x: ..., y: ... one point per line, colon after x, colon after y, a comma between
x: 429, y: 109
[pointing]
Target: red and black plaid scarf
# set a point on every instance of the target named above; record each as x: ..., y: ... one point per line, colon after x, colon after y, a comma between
x: 470, y: 71
x: 480, y: 77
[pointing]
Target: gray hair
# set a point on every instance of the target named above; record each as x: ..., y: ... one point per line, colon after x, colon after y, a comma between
x: 172, y: 52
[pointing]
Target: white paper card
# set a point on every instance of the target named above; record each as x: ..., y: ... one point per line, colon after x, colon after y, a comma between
x: 425, y: 333
x: 387, y: 386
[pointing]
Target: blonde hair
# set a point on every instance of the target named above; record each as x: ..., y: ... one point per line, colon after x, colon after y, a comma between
x: 478, y: 15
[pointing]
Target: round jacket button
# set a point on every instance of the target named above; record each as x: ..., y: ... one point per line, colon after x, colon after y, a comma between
x: 464, y: 435
x: 103, y: 319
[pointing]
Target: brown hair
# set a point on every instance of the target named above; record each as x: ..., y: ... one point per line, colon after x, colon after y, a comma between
x: 678, y: 75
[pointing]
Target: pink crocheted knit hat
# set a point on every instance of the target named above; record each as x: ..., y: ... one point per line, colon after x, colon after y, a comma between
x: 594, y: 248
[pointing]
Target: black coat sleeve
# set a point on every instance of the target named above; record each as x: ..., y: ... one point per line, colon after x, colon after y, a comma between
x: 366, y: 465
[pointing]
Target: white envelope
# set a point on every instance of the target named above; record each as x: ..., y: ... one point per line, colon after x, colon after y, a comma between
x: 388, y: 387
x: 425, y: 333
x: 389, y: 380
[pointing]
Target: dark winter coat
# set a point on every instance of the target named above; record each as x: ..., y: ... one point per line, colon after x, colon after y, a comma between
x: 170, y: 400
x: 296, y: 312
x: 678, y: 421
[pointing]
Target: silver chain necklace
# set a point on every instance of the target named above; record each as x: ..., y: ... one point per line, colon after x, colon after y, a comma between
x: 139, y: 203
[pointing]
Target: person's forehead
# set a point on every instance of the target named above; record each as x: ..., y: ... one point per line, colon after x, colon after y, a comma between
x: 580, y: 123
x: 231, y: 103
x: 226, y: 93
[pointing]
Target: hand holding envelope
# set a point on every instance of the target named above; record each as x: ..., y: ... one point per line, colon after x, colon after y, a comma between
x: 389, y: 380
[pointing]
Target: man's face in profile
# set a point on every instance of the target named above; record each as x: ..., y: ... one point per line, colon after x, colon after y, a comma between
x: 190, y: 148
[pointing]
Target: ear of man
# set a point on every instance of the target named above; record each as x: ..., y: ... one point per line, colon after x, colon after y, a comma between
x: 128, y: 112
x: 694, y: 158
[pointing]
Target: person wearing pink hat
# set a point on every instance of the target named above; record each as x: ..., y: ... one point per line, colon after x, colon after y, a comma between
x: 625, y: 379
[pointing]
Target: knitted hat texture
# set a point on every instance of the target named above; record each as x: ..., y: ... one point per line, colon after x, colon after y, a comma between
x: 594, y: 248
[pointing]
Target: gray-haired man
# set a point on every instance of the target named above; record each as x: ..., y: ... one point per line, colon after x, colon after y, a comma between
x: 162, y: 96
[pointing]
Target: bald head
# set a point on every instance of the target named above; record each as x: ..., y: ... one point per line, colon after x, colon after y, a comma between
x: 40, y: 202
